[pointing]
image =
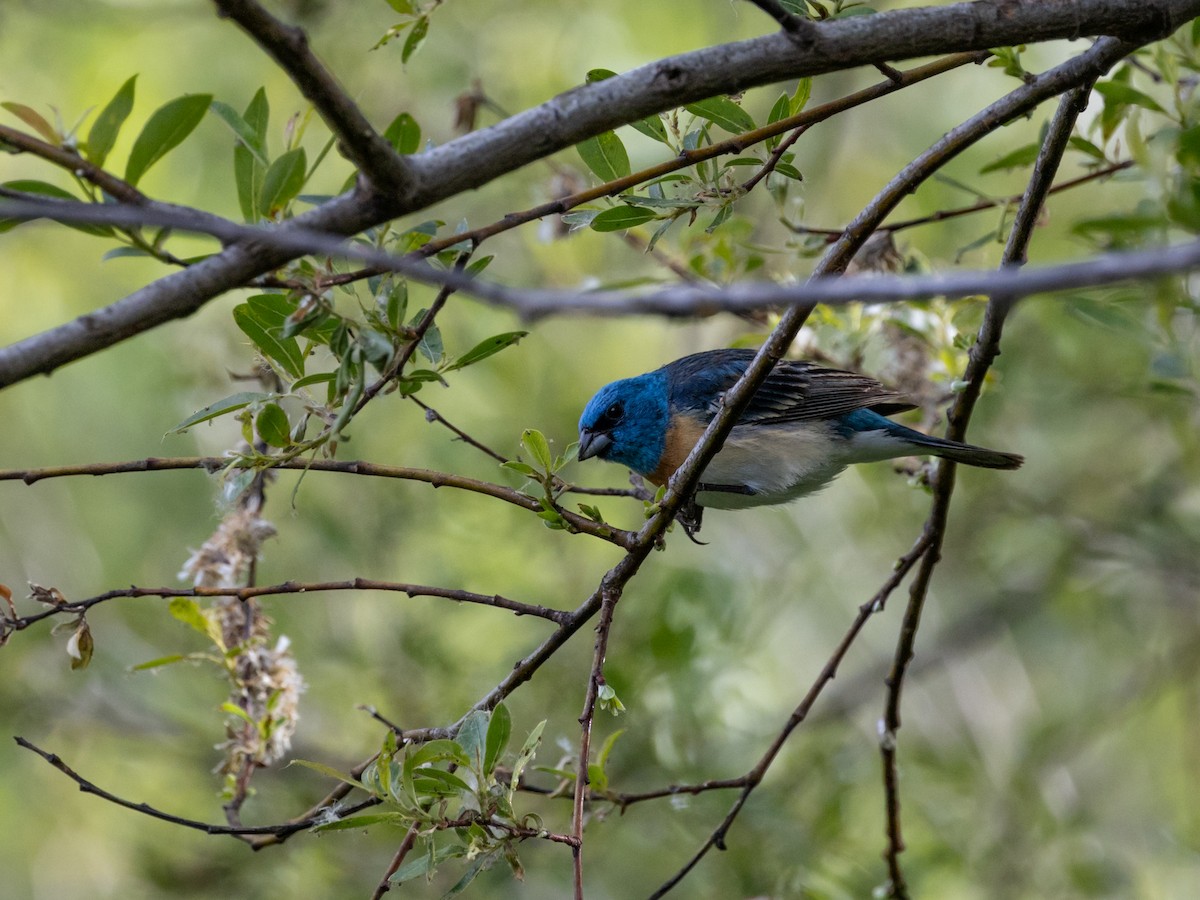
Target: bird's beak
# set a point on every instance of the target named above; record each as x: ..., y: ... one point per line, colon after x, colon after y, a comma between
x: 593, y: 443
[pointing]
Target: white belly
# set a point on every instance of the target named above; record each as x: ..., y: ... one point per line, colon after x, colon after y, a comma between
x: 777, y: 463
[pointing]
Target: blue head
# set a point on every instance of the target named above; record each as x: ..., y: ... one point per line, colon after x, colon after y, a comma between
x: 626, y: 422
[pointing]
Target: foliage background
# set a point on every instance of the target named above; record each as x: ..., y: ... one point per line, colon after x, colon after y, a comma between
x: 1050, y: 743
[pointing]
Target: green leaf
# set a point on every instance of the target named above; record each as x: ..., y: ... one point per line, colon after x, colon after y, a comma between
x: 249, y: 168
x: 391, y: 818
x: 666, y: 202
x: 477, y: 865
x: 187, y: 611
x: 594, y: 75
x: 315, y: 378
x: 535, y: 442
x: 800, y: 96
x: 242, y: 130
x: 283, y: 181
x: 404, y: 134
x: 221, y: 407
x: 329, y: 771
x: 653, y: 128
x: 720, y: 218
x: 431, y: 346
x: 472, y: 737
x: 723, y: 112
x: 518, y: 466
x: 498, y: 733
x: 161, y: 661
x: 415, y: 38
x: 425, y: 864
x: 528, y: 749
x: 1018, y: 159
x: 285, y: 351
x: 404, y: 7
x: 605, y: 155
x: 44, y: 189
x: 34, y: 120
x: 787, y: 170
x: 438, y: 782
x: 486, y: 348
x: 781, y: 110
x: 236, y: 711
x: 436, y: 751
x: 104, y: 131
x: 1123, y: 93
x: 273, y: 427
x: 165, y: 130
x: 1083, y: 145
x: 620, y: 218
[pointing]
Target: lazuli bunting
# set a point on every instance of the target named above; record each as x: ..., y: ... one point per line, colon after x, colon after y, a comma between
x: 803, y: 426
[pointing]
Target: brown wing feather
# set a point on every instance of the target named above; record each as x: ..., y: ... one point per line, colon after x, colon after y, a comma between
x: 800, y: 391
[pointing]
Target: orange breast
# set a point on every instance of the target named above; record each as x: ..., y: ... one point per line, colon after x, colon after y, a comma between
x: 682, y: 435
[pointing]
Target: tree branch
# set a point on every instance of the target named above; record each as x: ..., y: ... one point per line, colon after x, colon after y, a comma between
x: 280, y: 831
x: 290, y: 587
x: 480, y: 157
x: 210, y: 464
x: 983, y: 353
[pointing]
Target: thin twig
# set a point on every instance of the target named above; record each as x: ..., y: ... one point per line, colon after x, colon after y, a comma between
x: 294, y: 587
x: 753, y: 778
x: 982, y: 206
x: 984, y: 351
x: 406, y: 845
x: 279, y: 831
x: 213, y: 464
x: 71, y: 161
x: 432, y: 415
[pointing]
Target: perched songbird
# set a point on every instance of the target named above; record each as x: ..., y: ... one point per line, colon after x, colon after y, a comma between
x: 804, y: 425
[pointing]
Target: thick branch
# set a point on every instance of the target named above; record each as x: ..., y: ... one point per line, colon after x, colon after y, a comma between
x: 480, y: 157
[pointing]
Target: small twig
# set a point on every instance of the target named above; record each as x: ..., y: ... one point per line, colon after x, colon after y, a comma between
x: 397, y: 860
x: 982, y: 206
x: 432, y: 415
x: 753, y: 778
x: 296, y: 587
x: 418, y: 334
x: 72, y: 162
x: 984, y: 351
x: 608, y: 603
x: 428, y: 476
x: 279, y: 831
x: 789, y: 22
x: 773, y: 160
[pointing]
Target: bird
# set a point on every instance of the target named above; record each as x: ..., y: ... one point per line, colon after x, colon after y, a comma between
x: 804, y: 425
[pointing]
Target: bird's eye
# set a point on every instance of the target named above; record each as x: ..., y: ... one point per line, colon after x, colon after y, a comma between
x: 613, y: 414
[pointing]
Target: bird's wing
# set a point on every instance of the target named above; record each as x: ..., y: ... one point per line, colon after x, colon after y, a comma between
x: 800, y: 391
x: 793, y: 392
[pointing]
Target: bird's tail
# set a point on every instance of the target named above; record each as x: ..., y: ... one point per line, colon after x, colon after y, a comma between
x: 967, y: 454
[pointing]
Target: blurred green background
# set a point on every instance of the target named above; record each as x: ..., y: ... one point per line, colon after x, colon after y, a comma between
x: 1050, y: 744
